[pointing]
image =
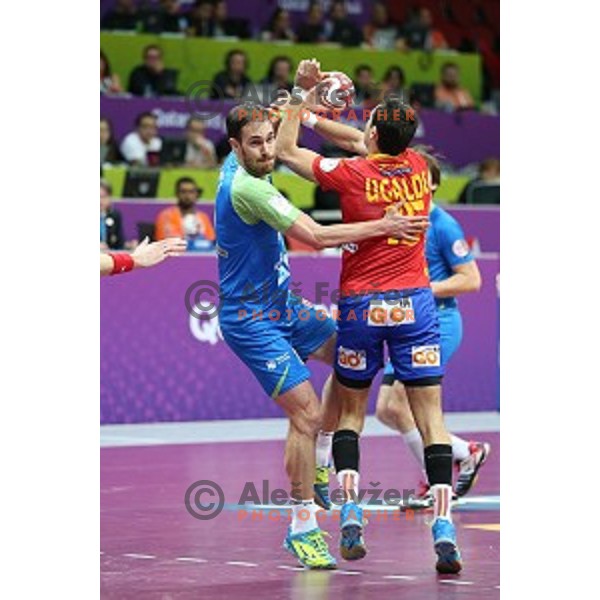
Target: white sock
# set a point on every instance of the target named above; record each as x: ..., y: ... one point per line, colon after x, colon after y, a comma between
x: 348, y: 480
x: 442, y: 500
x: 324, y: 442
x: 414, y: 441
x: 304, y: 516
x: 460, y: 448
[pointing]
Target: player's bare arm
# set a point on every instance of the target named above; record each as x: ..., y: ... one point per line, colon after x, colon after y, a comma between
x: 308, y: 75
x: 145, y: 255
x: 393, y: 224
x: 466, y: 278
x: 298, y: 159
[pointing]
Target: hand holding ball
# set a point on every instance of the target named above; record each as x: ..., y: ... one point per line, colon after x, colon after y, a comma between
x: 335, y: 91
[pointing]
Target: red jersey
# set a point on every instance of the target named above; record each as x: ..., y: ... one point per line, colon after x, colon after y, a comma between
x: 366, y: 187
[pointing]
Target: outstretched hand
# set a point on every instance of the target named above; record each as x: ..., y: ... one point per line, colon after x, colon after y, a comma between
x: 149, y: 254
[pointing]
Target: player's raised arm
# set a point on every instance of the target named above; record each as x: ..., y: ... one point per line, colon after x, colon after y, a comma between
x: 298, y: 159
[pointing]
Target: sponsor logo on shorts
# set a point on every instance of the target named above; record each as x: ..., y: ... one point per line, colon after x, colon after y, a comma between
x: 356, y: 360
x: 426, y: 356
x: 384, y: 313
x: 273, y: 363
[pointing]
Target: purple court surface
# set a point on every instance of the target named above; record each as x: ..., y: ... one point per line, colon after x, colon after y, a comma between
x: 153, y: 548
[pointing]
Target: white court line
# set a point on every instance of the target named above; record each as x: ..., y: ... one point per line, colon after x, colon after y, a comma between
x: 344, y: 572
x: 240, y: 563
x: 190, y: 559
x: 134, y: 555
x: 288, y: 568
x: 257, y: 430
x: 455, y: 582
x: 404, y: 577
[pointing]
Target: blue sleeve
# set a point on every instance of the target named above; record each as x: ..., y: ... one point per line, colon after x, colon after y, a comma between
x: 453, y: 245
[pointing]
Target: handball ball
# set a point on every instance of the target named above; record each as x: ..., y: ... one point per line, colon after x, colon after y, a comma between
x: 336, y: 91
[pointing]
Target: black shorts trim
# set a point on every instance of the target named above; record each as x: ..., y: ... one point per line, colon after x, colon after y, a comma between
x: 423, y: 381
x: 388, y: 379
x: 355, y: 384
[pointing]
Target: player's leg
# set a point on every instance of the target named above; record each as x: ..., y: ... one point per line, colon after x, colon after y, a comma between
x: 358, y: 359
x: 284, y: 376
x: 304, y: 538
x: 469, y: 456
x: 416, y: 356
x: 314, y: 337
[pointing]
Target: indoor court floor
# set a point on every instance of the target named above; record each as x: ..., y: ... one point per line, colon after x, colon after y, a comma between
x: 153, y: 548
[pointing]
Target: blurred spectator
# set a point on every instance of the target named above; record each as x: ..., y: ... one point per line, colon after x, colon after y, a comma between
x: 279, y: 28
x: 364, y: 84
x: 449, y: 95
x: 184, y: 220
x: 312, y: 31
x: 200, y: 151
x: 394, y: 82
x: 489, y: 174
x: 232, y: 82
x: 109, y: 81
x: 165, y: 18
x: 227, y: 27
x: 419, y: 34
x: 124, y: 16
x: 201, y: 21
x: 137, y: 145
x: 111, y: 224
x: 109, y: 150
x: 340, y: 29
x: 380, y: 33
x: 278, y: 78
x: 152, y: 79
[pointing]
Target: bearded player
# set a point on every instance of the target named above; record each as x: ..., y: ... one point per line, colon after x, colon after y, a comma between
x: 270, y: 330
x: 399, y: 312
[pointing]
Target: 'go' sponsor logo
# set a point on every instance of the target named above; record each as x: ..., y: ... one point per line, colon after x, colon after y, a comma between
x: 426, y: 356
x: 352, y: 359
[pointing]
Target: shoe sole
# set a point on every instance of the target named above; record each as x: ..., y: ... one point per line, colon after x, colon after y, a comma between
x: 446, y: 551
x: 357, y: 551
x: 486, y: 452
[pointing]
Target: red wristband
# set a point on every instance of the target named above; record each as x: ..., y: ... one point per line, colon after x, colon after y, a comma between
x: 122, y: 262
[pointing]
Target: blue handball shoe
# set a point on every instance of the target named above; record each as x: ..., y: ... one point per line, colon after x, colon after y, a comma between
x: 352, y: 542
x: 444, y: 544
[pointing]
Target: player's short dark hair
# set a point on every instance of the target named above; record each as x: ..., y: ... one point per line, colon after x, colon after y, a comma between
x: 144, y: 115
x: 396, y: 124
x: 432, y: 161
x: 239, y: 116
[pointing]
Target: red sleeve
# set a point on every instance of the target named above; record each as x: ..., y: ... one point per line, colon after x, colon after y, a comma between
x: 332, y: 173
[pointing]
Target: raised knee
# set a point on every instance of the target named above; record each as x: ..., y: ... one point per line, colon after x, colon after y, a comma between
x: 386, y: 413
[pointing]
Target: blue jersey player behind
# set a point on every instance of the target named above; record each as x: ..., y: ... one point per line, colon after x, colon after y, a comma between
x: 270, y: 330
x: 453, y: 271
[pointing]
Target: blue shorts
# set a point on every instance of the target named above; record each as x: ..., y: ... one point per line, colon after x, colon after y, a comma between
x: 274, y: 343
x: 451, y: 333
x: 406, y: 320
